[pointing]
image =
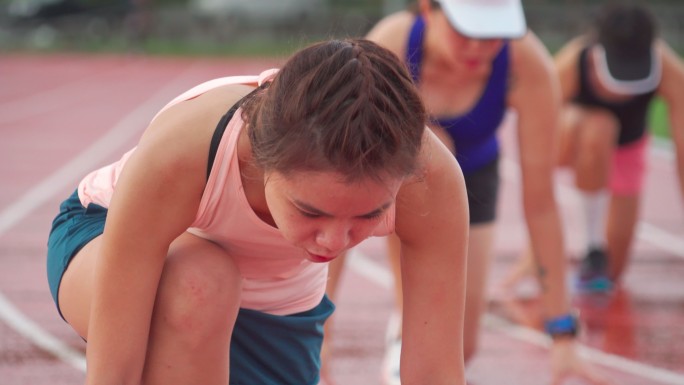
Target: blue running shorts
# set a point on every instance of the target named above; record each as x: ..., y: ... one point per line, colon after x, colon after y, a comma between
x: 72, y: 229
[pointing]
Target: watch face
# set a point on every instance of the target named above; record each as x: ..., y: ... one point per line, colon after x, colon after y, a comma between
x: 565, y: 325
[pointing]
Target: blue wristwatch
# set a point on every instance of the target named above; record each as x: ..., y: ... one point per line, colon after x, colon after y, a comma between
x: 561, y: 326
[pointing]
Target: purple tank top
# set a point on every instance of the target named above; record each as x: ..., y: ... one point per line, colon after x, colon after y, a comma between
x: 474, y: 132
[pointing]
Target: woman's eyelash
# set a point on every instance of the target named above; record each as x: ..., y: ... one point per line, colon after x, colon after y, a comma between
x: 373, y: 215
x: 308, y: 214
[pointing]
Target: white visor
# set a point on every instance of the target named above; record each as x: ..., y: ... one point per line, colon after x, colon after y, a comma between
x: 486, y: 19
x: 627, y: 77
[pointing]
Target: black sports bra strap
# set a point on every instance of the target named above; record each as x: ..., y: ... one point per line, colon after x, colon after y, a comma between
x: 218, y: 134
x: 221, y: 128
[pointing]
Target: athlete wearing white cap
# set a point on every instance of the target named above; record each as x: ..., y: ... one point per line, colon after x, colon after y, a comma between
x: 475, y: 64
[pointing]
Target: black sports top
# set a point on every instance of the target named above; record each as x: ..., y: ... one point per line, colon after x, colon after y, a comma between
x: 630, y: 113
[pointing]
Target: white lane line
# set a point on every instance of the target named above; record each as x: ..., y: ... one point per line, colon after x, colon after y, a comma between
x: 40, y: 103
x: 378, y: 274
x: 663, y: 148
x: 129, y: 125
x: 664, y: 240
x: 51, y: 99
x: 609, y: 360
x: 39, y: 337
x: 99, y: 150
x: 671, y: 243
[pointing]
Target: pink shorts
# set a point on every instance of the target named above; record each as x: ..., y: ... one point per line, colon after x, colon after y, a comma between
x: 629, y: 167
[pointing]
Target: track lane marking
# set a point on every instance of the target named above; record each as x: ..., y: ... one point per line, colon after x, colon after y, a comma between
x: 121, y: 132
x: 647, y: 232
x: 129, y: 125
x: 380, y: 275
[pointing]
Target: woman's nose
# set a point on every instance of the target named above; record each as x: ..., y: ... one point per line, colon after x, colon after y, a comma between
x: 334, y: 238
x: 476, y: 43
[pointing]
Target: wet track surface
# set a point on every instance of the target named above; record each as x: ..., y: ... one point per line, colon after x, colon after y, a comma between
x: 61, y: 116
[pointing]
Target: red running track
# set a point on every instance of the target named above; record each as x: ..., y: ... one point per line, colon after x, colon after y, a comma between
x: 62, y: 115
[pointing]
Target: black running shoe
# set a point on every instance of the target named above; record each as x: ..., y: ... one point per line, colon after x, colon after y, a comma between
x: 593, y: 272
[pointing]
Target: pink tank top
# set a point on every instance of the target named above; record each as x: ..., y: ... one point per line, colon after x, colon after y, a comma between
x: 277, y: 277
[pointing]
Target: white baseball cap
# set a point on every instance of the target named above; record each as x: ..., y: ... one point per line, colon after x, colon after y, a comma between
x: 486, y: 19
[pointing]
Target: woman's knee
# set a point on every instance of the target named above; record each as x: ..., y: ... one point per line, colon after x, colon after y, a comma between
x: 199, y: 289
x: 570, y: 119
x: 598, y: 132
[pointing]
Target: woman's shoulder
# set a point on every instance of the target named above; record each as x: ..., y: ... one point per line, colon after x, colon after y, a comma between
x: 187, y: 126
x: 196, y: 107
x: 435, y: 194
x: 570, y: 51
x: 437, y: 168
x: 672, y: 79
x: 528, y: 49
x: 220, y: 91
x: 221, y: 98
x: 392, y: 31
x: 566, y: 63
x: 531, y: 61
